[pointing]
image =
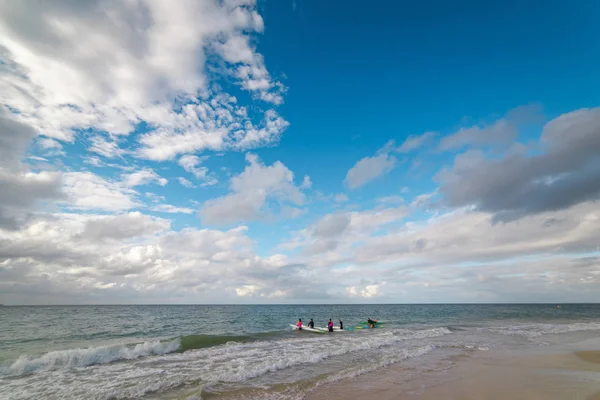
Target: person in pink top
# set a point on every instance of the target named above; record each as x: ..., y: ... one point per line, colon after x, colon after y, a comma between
x: 330, y: 325
x: 299, y: 324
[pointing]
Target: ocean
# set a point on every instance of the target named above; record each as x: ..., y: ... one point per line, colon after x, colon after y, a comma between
x: 250, y: 351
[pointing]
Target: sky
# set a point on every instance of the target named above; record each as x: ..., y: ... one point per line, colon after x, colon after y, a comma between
x: 295, y: 151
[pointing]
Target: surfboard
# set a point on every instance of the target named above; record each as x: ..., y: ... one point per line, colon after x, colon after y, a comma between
x: 306, y: 328
x: 335, y: 329
x: 367, y: 327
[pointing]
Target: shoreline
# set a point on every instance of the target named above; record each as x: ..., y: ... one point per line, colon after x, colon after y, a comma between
x: 543, y: 374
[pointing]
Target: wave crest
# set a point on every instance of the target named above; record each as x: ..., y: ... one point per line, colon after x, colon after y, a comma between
x: 74, y: 358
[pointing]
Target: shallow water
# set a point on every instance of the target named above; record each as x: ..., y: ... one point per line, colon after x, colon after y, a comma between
x: 119, y: 352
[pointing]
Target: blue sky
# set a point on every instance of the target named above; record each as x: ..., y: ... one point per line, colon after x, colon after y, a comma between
x: 299, y: 151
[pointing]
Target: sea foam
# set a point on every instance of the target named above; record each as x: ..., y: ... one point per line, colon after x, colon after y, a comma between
x: 73, y: 358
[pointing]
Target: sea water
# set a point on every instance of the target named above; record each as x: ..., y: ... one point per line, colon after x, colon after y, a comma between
x: 203, y: 352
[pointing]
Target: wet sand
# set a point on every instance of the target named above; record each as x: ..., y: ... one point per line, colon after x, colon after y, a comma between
x: 493, y: 375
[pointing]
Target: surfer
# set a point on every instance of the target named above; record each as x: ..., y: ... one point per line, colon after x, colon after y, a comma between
x: 311, y: 324
x: 341, y: 325
x: 330, y: 325
x: 371, y: 323
x: 299, y: 324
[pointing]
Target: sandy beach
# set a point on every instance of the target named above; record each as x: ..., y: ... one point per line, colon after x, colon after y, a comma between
x: 493, y: 375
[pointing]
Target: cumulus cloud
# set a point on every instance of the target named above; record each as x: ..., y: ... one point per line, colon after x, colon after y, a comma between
x: 394, y: 199
x: 461, y: 255
x: 21, y: 190
x: 106, y: 148
x: 502, y: 132
x: 143, y: 177
x: 171, y: 209
x: 124, y: 226
x: 519, y: 183
x: 50, y: 147
x: 15, y: 138
x: 367, y: 291
x: 192, y: 165
x: 306, y: 183
x: 113, y: 66
x: 416, y: 142
x: 259, y: 186
x: 250, y: 69
x: 67, y: 257
x: 370, y: 168
x: 185, y: 182
x: 333, y: 231
x: 467, y: 236
x: 88, y: 191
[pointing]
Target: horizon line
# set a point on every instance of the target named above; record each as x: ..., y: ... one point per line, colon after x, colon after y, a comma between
x: 286, y: 304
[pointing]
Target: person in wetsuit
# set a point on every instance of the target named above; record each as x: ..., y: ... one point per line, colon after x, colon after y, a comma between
x: 371, y: 323
x: 330, y: 325
x: 341, y: 325
x: 311, y: 324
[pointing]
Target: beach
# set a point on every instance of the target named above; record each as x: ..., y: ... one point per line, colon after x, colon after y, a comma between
x: 250, y: 352
x: 553, y: 374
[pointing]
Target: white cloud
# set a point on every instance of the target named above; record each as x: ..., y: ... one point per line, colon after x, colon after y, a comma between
x: 21, y: 190
x: 328, y: 198
x: 257, y: 187
x: 220, y: 125
x: 367, y: 291
x: 93, y: 161
x: 154, y: 197
x: 336, y: 233
x: 185, y: 182
x: 391, y: 200
x: 124, y: 226
x: 247, y: 290
x: 88, y: 191
x: 306, y: 183
x: 423, y: 200
x: 113, y: 67
x: 413, y: 143
x: 50, y: 147
x: 466, y: 236
x: 458, y: 256
x: 171, y: 209
x: 250, y: 69
x: 192, y: 165
x: 73, y: 255
x: 501, y: 132
x: 15, y: 138
x: 143, y: 177
x: 370, y: 168
x: 562, y: 172
x: 106, y: 148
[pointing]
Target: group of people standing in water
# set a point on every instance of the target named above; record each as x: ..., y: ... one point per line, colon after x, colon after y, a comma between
x: 311, y: 324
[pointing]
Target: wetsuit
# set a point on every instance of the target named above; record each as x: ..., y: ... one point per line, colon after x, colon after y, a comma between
x: 341, y: 325
x: 311, y: 324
